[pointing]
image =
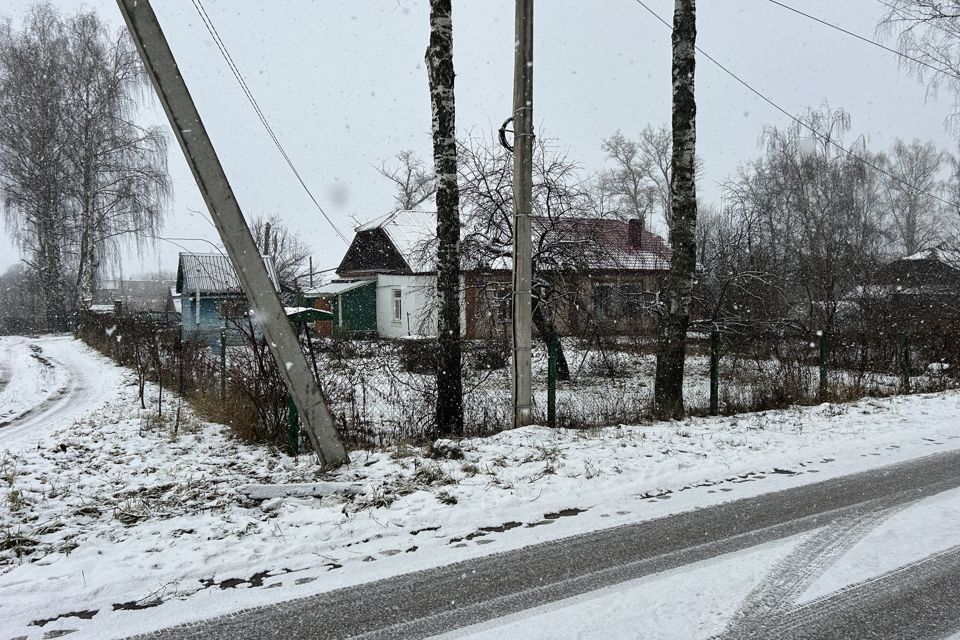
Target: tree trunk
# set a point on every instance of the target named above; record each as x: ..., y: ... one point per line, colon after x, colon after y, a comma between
x: 86, y: 266
x: 671, y: 343
x: 49, y: 259
x: 547, y: 331
x: 439, y: 61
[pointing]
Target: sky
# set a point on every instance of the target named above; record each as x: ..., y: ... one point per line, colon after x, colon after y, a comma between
x: 344, y: 87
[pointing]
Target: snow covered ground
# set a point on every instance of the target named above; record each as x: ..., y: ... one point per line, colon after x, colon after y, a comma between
x: 112, y: 524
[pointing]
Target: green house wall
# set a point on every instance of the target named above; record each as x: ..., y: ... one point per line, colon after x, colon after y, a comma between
x: 355, y: 311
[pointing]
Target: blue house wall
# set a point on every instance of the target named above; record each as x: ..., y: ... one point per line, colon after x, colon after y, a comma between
x: 211, y: 322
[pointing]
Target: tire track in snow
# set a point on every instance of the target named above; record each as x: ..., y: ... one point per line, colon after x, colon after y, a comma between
x: 761, y: 612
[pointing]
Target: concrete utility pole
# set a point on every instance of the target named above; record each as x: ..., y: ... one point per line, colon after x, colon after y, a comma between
x: 225, y: 211
x: 522, y: 204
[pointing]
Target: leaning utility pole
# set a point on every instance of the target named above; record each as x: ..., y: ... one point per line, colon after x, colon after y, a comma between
x: 522, y: 204
x: 212, y: 181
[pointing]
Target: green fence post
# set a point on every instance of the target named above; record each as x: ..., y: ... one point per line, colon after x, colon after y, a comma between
x: 223, y: 366
x: 824, y: 353
x: 906, y: 363
x: 552, y: 383
x: 293, y: 429
x: 714, y: 372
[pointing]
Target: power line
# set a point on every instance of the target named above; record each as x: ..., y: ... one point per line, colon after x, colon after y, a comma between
x: 868, y: 40
x: 827, y: 139
x: 212, y: 30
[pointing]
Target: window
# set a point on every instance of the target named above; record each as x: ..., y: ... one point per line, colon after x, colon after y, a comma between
x: 603, y: 301
x: 397, y: 305
x: 637, y: 299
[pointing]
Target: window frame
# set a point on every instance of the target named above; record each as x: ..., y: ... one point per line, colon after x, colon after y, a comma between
x: 396, y: 301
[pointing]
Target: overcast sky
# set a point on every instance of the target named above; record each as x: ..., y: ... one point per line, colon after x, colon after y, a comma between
x: 344, y: 87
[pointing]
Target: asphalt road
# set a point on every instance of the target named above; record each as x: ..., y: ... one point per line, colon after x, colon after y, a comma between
x: 919, y: 601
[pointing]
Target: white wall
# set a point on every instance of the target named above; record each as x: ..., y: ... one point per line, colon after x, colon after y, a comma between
x: 419, y: 306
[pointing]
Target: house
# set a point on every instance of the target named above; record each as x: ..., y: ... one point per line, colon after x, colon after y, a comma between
x: 914, y: 293
x: 603, y: 273
x: 146, y: 298
x: 386, y: 282
x: 211, y: 299
x: 600, y: 274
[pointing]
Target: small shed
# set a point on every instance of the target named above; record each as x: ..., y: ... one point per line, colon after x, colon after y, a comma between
x: 307, y: 314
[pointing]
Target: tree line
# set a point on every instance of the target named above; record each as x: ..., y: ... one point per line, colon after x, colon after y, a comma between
x: 78, y: 174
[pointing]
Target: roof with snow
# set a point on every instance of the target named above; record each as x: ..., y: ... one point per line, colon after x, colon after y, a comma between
x: 409, y: 232
x: 403, y: 242
x: 946, y: 256
x: 617, y: 244
x: 335, y: 288
x: 213, y: 273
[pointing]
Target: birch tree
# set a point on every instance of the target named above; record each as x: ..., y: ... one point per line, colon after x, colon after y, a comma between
x: 671, y: 340
x: 78, y: 175
x: 927, y: 32
x: 439, y: 62
x: 32, y: 156
x: 119, y: 184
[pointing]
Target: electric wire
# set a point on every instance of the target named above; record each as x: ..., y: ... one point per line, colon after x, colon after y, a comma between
x: 225, y: 53
x: 867, y: 40
x: 826, y: 139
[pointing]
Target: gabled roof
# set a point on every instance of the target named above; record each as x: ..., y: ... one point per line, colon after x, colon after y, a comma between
x: 609, y: 244
x: 409, y: 232
x: 620, y: 244
x: 213, y: 273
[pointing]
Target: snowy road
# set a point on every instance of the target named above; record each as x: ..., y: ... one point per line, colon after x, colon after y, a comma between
x: 47, y: 382
x: 708, y: 528
x: 737, y: 570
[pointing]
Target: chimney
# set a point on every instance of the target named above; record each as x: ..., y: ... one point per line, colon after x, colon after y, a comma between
x: 635, y: 232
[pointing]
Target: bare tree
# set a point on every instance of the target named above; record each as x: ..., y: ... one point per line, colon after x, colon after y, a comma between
x: 639, y: 181
x: 566, y: 229
x: 439, y: 60
x: 671, y: 347
x: 804, y: 226
x: 928, y: 33
x: 289, y: 253
x: 628, y: 181
x: 911, y: 194
x: 415, y: 182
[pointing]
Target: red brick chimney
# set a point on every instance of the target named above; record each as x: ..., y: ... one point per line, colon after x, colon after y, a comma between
x: 635, y: 232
